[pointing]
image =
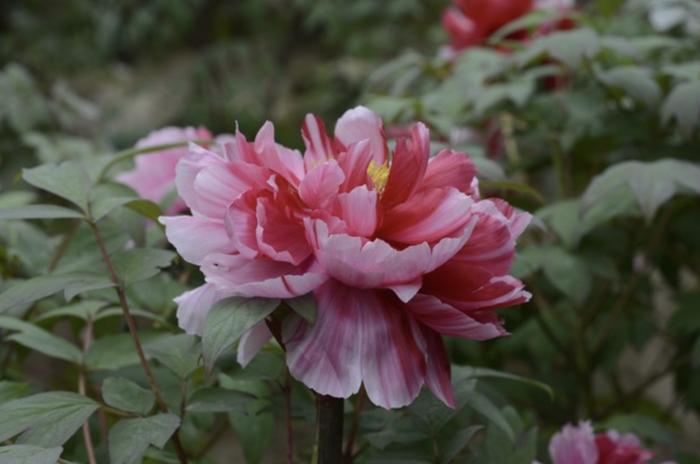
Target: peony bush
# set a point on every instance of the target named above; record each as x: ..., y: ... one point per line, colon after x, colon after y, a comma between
x: 492, y: 259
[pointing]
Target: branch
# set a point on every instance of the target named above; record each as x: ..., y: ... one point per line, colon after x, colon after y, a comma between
x: 131, y: 323
x: 87, y: 341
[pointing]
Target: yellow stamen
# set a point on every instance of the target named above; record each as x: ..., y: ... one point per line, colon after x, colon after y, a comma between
x: 378, y: 174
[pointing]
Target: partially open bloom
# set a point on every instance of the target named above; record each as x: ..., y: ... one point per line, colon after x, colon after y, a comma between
x: 578, y: 445
x: 153, y: 176
x: 470, y: 23
x: 398, y: 249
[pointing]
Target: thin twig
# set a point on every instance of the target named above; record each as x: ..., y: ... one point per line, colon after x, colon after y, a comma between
x: 131, y: 323
x: 87, y: 341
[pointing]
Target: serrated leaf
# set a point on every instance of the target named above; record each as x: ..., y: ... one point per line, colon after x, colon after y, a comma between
x: 127, y: 395
x: 38, y: 212
x: 140, y: 263
x: 651, y: 184
x: 130, y: 438
x: 40, y: 340
x: 47, y: 419
x: 37, y: 288
x: 636, y: 82
x: 68, y: 180
x: 219, y: 400
x: 179, y: 353
x: 305, y: 306
x: 683, y: 106
x: 27, y: 454
x: 228, y: 321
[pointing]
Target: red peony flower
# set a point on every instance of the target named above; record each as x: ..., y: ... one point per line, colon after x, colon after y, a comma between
x: 398, y: 249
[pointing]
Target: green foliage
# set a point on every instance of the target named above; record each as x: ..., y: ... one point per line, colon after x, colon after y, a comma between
x: 130, y: 438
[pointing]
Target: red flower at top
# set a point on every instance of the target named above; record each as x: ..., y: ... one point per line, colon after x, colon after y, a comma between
x: 470, y: 22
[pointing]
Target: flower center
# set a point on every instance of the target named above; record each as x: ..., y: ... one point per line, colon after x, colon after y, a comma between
x: 379, y: 174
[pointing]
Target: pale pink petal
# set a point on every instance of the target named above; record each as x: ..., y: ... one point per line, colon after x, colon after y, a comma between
x: 427, y: 216
x: 241, y: 222
x: 277, y: 236
x: 450, y: 169
x: 358, y: 336
x: 193, y: 307
x: 366, y: 263
x: 195, y: 237
x: 320, y: 185
x: 354, y: 164
x: 285, y: 162
x: 237, y: 275
x: 319, y: 147
x: 448, y: 320
x: 574, y: 445
x: 358, y: 208
x: 359, y: 124
x: 437, y: 375
x: 408, y: 166
x: 407, y: 291
x: 186, y: 172
x: 251, y: 342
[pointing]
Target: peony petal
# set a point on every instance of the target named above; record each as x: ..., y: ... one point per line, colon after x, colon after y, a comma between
x: 239, y: 276
x: 241, y: 222
x: 358, y: 336
x: 354, y: 164
x: 285, y: 162
x: 437, y: 376
x: 319, y: 147
x: 462, y: 30
x: 251, y: 342
x: 408, y: 166
x: 448, y: 320
x: 450, y: 169
x: 278, y: 236
x: 195, y: 237
x: 574, y: 445
x: 407, y: 291
x: 427, y: 217
x: 358, y: 208
x: 186, y: 172
x: 359, y: 124
x: 320, y: 185
x: 360, y: 263
x: 193, y: 307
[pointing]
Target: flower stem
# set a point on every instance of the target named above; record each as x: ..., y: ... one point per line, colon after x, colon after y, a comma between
x: 82, y: 389
x: 330, y: 430
x: 131, y: 323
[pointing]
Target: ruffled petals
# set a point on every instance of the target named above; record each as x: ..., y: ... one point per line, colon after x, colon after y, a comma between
x: 193, y: 307
x: 195, y: 237
x: 359, y: 124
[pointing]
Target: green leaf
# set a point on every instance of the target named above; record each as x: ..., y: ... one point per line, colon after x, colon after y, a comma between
x: 683, y: 106
x: 140, y: 263
x: 512, y: 186
x: 130, y: 438
x: 526, y: 22
x: 40, y: 287
x: 305, y: 306
x: 651, y: 184
x: 117, y: 351
x: 568, y: 47
x: 38, y: 212
x: 84, y: 310
x: 228, y: 321
x: 126, y: 395
x: 564, y: 219
x: 68, y: 180
x: 568, y: 273
x: 219, y: 400
x: 456, y: 441
x: 636, y: 82
x: 264, y: 366
x: 40, y: 340
x: 484, y: 406
x: 12, y: 390
x: 47, y: 419
x: 109, y: 196
x: 27, y: 454
x: 179, y: 353
x: 254, y: 431
x: 482, y: 372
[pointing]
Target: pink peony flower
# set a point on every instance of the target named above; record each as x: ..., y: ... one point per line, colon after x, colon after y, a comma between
x: 153, y: 177
x: 471, y: 22
x: 578, y: 445
x: 397, y: 248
